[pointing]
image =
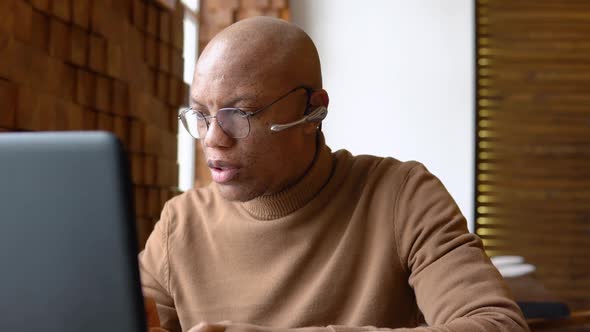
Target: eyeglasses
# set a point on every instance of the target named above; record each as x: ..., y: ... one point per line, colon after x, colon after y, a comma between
x: 234, y: 122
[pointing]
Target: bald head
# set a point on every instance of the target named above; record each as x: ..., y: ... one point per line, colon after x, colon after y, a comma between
x: 263, y: 49
x: 251, y: 66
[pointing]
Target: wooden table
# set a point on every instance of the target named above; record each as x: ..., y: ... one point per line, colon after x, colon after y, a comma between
x: 577, y: 319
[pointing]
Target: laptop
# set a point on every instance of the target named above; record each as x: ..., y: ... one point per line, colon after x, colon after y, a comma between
x: 68, y: 249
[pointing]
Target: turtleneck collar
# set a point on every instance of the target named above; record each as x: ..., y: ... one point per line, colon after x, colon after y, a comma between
x: 268, y: 207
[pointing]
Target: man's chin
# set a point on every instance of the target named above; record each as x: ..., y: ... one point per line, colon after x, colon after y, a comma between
x: 236, y: 193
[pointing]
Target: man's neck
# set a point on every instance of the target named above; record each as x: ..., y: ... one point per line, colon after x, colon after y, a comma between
x: 301, y: 191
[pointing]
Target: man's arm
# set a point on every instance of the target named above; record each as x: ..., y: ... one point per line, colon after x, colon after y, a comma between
x: 457, y: 288
x: 155, y: 274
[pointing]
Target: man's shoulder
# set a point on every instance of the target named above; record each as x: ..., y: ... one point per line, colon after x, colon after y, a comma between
x: 376, y: 166
x: 190, y: 206
x: 194, y: 196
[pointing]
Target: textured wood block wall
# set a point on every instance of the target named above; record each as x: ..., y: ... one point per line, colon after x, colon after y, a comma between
x: 215, y: 15
x: 533, y: 138
x: 112, y: 65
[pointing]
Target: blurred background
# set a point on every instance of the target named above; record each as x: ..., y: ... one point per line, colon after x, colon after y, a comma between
x: 493, y: 96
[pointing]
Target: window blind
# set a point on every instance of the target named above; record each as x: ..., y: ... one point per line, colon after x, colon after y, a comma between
x: 533, y: 138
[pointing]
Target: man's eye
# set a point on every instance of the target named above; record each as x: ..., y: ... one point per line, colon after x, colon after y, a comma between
x: 201, y: 113
x: 247, y: 108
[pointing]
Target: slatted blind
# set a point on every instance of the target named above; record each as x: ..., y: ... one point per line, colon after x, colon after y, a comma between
x: 533, y: 138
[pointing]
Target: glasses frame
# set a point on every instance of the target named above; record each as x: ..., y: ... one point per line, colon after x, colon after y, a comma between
x: 246, y: 114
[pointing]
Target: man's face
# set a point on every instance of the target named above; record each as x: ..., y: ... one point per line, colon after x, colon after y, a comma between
x: 264, y: 162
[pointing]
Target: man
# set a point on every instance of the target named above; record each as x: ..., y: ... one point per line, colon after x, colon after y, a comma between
x: 292, y: 236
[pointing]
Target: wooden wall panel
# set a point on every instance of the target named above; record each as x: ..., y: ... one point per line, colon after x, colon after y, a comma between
x: 82, y: 65
x: 8, y: 96
x: 533, y: 138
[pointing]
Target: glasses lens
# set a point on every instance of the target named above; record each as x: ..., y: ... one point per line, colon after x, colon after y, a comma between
x: 194, y: 123
x: 234, y: 122
x: 201, y: 124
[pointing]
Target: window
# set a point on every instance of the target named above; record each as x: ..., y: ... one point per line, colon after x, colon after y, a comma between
x: 186, y: 144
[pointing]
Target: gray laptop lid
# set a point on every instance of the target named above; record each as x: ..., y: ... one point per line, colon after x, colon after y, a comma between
x: 67, y: 237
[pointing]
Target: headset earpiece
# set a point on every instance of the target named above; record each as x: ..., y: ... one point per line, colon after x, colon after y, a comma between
x: 317, y: 114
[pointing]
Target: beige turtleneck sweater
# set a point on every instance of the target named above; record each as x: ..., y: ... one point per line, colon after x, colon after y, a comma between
x: 358, y: 243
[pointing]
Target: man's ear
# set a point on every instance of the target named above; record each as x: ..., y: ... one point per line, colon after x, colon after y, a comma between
x: 319, y: 98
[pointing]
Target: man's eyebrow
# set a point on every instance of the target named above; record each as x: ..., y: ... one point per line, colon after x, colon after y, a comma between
x: 194, y: 101
x: 231, y: 102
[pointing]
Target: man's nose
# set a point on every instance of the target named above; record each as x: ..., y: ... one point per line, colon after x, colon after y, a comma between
x: 216, y: 137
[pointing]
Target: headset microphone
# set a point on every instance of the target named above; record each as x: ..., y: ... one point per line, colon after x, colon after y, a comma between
x: 317, y: 115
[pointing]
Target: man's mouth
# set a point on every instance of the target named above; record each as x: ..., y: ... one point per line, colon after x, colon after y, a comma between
x: 222, y: 172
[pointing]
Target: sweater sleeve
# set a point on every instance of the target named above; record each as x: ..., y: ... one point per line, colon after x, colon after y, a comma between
x: 456, y: 286
x: 155, y: 273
